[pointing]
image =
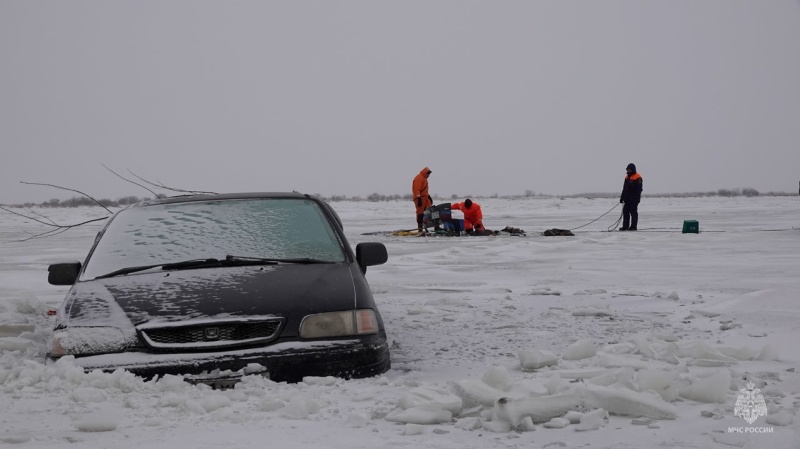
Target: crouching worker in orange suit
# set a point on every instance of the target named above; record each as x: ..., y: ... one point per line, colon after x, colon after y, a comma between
x: 473, y: 217
x: 419, y: 193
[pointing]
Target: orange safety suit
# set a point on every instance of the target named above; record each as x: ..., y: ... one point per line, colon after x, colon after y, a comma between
x: 473, y: 217
x: 419, y: 192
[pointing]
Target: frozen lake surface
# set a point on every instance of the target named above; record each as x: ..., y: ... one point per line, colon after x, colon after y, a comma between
x: 647, y: 338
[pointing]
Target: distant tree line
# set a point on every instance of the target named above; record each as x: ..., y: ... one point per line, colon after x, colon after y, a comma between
x: 373, y: 197
x: 746, y: 191
x: 81, y: 201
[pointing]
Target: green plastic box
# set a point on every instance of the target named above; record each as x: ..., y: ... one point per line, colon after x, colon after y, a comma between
x: 691, y: 227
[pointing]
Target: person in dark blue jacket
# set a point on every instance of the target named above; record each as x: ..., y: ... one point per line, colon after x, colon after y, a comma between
x: 631, y: 195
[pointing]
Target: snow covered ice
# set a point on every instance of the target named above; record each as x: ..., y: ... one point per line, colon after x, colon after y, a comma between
x: 599, y: 340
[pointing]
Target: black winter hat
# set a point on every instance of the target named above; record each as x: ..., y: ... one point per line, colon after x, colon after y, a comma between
x: 631, y: 166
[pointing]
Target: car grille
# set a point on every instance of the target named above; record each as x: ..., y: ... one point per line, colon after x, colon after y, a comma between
x: 211, y: 335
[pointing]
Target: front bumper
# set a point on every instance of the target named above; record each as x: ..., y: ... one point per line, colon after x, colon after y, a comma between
x: 284, y: 362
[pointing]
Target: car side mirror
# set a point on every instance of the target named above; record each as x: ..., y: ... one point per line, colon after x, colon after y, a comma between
x: 63, y: 273
x: 370, y: 253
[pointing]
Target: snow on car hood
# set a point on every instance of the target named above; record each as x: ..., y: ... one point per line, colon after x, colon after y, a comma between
x: 290, y: 291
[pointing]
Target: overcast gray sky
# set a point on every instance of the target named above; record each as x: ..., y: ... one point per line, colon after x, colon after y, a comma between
x: 355, y: 97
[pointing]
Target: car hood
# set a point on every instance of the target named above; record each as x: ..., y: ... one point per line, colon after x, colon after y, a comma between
x: 290, y: 291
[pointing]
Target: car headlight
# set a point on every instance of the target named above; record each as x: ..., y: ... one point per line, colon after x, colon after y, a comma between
x: 339, y: 324
x: 87, y: 341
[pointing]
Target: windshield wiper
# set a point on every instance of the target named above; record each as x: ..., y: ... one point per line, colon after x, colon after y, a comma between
x: 211, y: 263
x: 246, y: 260
x: 193, y: 263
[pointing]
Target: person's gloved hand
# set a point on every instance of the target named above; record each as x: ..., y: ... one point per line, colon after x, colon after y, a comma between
x: 621, y: 201
x: 419, y: 202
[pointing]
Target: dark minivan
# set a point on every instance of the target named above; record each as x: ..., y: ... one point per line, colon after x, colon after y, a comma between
x: 214, y: 287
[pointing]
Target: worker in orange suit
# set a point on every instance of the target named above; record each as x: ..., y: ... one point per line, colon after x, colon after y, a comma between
x: 419, y: 194
x: 473, y: 216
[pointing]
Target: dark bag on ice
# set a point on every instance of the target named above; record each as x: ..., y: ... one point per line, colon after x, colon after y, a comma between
x: 555, y: 231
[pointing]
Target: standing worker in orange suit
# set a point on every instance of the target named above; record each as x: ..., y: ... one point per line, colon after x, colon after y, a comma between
x: 473, y: 216
x: 419, y: 193
x: 631, y: 195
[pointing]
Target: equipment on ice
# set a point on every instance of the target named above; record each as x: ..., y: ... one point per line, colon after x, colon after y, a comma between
x: 436, y: 215
x: 440, y: 217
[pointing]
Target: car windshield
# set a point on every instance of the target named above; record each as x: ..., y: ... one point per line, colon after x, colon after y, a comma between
x: 284, y: 228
